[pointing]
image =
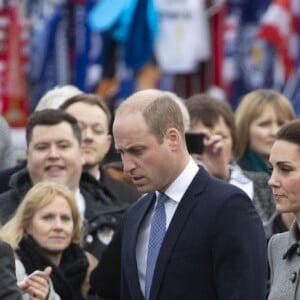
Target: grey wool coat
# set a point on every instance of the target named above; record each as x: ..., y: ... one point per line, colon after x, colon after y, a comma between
x: 284, y: 260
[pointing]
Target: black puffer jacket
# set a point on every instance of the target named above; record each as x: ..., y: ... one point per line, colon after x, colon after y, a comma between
x: 103, y: 212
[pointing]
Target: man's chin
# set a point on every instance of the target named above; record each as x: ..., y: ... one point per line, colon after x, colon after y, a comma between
x: 53, y: 179
x: 59, y: 180
x: 143, y: 187
x: 90, y: 165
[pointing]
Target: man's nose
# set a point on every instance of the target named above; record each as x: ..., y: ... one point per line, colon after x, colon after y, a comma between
x: 54, y: 151
x: 87, y: 133
x: 128, y: 163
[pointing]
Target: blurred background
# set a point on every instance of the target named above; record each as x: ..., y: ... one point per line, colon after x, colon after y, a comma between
x: 115, y: 47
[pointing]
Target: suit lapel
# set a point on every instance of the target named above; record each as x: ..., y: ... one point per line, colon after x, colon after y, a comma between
x: 185, y: 207
x: 131, y: 241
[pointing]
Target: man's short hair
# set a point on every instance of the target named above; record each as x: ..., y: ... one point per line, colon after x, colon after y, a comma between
x: 51, y: 117
x: 158, y: 109
x: 90, y: 99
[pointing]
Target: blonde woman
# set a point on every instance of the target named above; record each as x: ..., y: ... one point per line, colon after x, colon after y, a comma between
x: 45, y: 231
x: 258, y: 117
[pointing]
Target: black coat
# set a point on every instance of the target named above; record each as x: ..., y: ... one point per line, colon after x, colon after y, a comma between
x: 105, y: 279
x: 8, y: 282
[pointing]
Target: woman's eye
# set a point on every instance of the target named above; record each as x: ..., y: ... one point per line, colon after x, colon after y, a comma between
x: 66, y: 218
x: 264, y: 124
x: 286, y: 170
x: 47, y: 217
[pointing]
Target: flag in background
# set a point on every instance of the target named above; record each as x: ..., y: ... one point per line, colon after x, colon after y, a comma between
x: 229, y: 41
x: 13, y: 63
x: 280, y: 27
x: 49, y: 64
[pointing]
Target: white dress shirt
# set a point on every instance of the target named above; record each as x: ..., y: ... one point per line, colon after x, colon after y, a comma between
x: 175, y: 192
x: 80, y: 203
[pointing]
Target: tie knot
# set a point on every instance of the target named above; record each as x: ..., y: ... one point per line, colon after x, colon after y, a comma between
x: 161, y: 198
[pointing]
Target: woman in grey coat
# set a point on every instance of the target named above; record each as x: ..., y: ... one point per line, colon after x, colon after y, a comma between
x: 284, y: 248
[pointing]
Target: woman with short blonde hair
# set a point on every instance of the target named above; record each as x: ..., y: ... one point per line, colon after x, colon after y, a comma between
x: 37, y: 197
x: 258, y: 117
x: 46, y: 231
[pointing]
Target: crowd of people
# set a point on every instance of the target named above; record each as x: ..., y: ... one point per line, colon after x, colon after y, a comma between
x: 221, y: 221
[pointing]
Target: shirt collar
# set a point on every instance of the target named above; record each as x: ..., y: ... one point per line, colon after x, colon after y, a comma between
x: 177, y: 189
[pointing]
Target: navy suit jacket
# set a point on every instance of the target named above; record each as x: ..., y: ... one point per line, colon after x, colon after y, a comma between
x: 214, y: 248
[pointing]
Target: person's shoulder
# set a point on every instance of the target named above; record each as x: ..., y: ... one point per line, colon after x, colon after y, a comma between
x: 279, y: 236
x: 19, y: 184
x: 224, y: 187
x: 20, y: 177
x: 10, y: 199
x: 5, y: 177
x: 278, y: 245
x: 5, y: 247
x: 221, y: 189
x: 279, y: 239
x: 4, y: 198
x: 6, y: 251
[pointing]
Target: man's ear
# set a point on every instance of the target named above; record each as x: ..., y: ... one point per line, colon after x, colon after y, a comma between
x: 174, y: 138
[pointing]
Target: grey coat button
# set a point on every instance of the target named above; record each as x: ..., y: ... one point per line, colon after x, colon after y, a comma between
x: 293, y: 277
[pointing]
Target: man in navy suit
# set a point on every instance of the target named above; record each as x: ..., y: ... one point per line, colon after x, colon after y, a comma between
x: 214, y: 246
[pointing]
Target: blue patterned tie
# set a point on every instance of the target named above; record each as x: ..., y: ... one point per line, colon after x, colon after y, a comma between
x: 157, y: 233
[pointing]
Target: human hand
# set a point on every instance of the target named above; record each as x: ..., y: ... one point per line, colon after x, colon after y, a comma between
x: 213, y: 156
x: 37, y: 284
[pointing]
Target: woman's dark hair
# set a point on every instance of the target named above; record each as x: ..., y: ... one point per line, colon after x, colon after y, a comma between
x: 290, y: 132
